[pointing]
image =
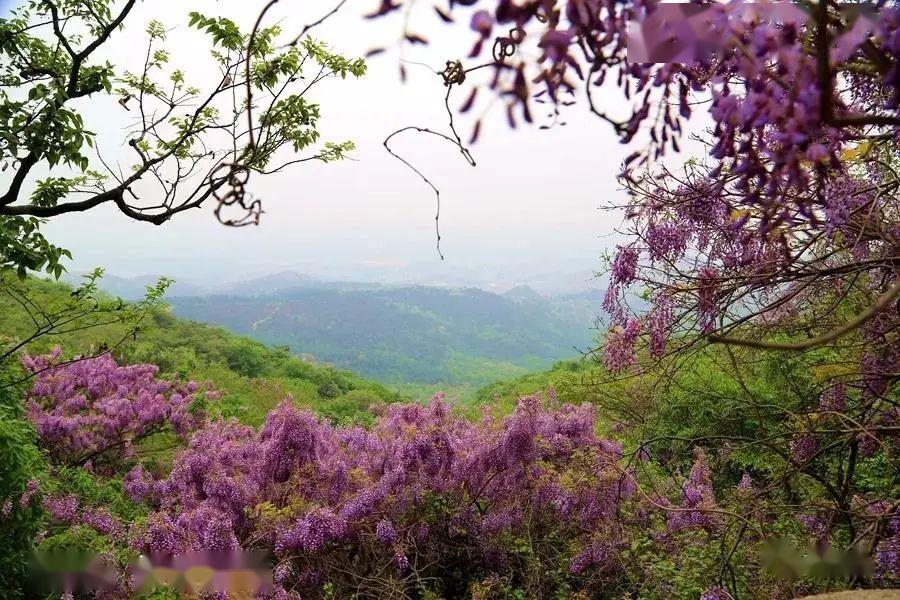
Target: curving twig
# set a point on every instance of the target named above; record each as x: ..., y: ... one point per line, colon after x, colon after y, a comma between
x: 316, y: 23
x: 455, y: 74
x: 437, y: 193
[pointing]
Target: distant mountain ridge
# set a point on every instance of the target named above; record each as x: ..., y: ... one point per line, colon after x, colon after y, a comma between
x: 393, y: 333
x: 134, y: 288
x: 407, y: 333
x: 523, y: 293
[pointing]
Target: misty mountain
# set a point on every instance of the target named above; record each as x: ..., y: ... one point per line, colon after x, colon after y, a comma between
x: 408, y: 333
x: 267, y: 284
x: 134, y: 288
x: 523, y: 293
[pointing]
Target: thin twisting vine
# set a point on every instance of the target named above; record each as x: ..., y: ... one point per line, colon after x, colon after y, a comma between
x: 454, y: 74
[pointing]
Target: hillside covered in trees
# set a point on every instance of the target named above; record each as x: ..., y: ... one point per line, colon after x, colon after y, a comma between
x: 656, y: 415
x: 408, y: 334
x: 255, y: 376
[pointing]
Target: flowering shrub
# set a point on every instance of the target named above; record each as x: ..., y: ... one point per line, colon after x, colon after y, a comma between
x: 786, y: 454
x: 423, y: 498
x: 96, y: 411
x: 533, y: 504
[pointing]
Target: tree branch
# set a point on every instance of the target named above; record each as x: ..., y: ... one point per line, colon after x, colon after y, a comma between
x: 883, y: 302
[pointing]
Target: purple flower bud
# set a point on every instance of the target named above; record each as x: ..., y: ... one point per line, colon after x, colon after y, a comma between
x: 482, y: 22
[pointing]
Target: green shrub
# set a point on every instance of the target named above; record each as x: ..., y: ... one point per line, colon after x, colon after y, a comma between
x: 20, y: 462
x: 247, y: 358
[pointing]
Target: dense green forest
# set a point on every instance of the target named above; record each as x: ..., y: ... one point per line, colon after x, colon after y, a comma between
x: 409, y: 334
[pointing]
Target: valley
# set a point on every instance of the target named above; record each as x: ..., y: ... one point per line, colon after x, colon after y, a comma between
x: 409, y: 334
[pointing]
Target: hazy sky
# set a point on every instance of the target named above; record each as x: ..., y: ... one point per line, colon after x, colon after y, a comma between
x: 530, y: 209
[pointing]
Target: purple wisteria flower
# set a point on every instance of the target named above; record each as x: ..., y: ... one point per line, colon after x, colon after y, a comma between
x: 94, y: 409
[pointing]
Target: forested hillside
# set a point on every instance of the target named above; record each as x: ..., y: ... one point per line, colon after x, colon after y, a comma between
x: 565, y: 423
x: 254, y: 377
x: 408, y: 334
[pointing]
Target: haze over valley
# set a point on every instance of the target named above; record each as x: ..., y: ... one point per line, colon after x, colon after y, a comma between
x: 392, y: 333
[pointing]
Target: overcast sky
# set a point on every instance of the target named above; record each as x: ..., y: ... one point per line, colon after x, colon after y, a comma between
x: 531, y: 209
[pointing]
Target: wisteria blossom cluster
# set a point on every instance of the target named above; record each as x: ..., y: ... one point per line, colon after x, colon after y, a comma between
x: 774, y: 76
x: 67, y: 510
x: 423, y: 498
x: 699, y: 508
x: 417, y: 493
x: 96, y: 411
x: 31, y: 488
